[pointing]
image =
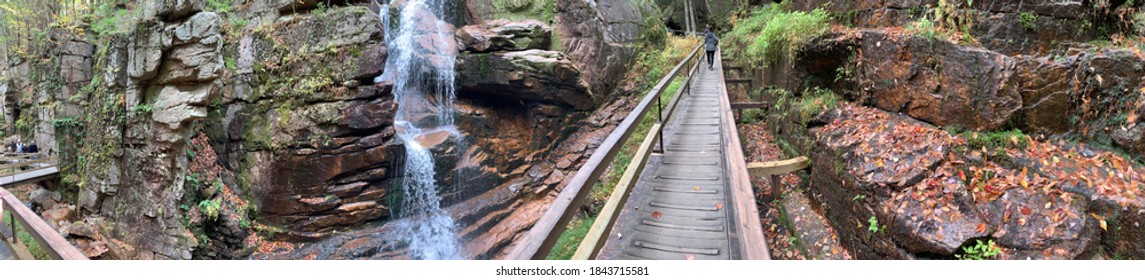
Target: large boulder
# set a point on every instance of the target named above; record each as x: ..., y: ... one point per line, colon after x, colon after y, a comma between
x: 898, y: 188
x: 531, y: 75
x: 504, y: 35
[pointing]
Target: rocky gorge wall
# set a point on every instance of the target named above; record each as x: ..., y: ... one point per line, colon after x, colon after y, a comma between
x: 222, y: 131
x: 905, y: 168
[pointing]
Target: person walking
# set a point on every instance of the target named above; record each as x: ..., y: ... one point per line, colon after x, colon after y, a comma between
x: 711, y: 43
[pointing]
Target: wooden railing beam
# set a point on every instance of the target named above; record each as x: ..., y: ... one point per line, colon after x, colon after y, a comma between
x: 55, y: 245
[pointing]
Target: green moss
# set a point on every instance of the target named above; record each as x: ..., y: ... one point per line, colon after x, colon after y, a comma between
x: 542, y: 10
x: 997, y: 139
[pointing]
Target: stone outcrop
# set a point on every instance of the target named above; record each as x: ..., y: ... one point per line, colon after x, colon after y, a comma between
x: 531, y: 75
x: 898, y: 188
x: 298, y: 128
x: 504, y: 35
x: 935, y: 81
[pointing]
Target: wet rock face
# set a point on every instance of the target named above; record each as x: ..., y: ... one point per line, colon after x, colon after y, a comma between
x: 532, y: 75
x: 504, y: 35
x: 309, y: 139
x: 898, y: 188
x: 935, y: 81
x: 597, y: 38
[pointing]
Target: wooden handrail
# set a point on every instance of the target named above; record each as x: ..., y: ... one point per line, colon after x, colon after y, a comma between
x: 55, y: 245
x: 748, y: 225
x: 540, y: 238
x: 8, y: 169
x: 597, y: 235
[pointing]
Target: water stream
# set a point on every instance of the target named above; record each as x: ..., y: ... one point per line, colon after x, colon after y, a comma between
x: 420, y: 67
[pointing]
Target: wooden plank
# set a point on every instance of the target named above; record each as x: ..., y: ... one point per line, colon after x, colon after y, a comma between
x: 778, y: 167
x: 749, y: 228
x: 598, y: 234
x: 54, y: 244
x: 544, y: 234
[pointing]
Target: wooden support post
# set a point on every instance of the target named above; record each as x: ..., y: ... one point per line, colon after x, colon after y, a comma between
x: 775, y: 186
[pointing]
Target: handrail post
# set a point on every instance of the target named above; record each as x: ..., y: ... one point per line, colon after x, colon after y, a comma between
x: 659, y: 120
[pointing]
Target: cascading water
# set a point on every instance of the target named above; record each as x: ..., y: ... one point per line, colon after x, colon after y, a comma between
x: 420, y: 67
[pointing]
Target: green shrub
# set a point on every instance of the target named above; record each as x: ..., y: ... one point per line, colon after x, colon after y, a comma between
x: 816, y: 100
x: 980, y: 251
x: 223, y: 6
x: 1028, y: 20
x: 785, y: 34
x: 210, y: 208
x: 752, y: 115
x: 924, y: 27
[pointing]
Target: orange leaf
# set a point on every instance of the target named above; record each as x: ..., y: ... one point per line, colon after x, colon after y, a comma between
x: 656, y: 214
x: 689, y: 257
x: 1100, y: 221
x: 981, y: 228
x: 720, y: 205
x: 1025, y: 183
x: 1025, y: 210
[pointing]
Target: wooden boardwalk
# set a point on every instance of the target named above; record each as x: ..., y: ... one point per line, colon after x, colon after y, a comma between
x: 682, y: 204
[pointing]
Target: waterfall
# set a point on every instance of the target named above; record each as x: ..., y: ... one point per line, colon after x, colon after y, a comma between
x: 420, y: 67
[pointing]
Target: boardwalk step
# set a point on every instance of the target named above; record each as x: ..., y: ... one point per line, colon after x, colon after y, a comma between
x: 677, y: 249
x: 689, y: 163
x: 682, y: 227
x: 703, y: 191
x: 670, y: 177
x: 684, y: 207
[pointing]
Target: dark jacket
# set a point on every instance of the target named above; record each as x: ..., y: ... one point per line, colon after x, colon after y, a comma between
x: 711, y: 41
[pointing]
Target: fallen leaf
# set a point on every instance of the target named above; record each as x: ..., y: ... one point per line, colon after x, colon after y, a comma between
x: 720, y: 205
x: 1025, y: 183
x: 1025, y: 210
x: 981, y: 228
x: 1048, y: 204
x: 1100, y: 221
x: 696, y: 188
x: 656, y: 214
x: 689, y: 257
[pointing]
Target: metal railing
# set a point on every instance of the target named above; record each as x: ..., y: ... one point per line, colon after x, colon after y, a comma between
x: 541, y: 238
